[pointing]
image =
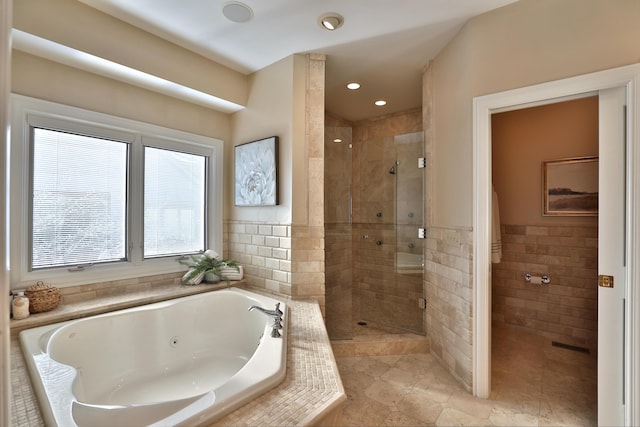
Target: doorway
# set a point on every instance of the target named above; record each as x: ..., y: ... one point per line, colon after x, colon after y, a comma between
x: 624, y: 358
x: 544, y: 326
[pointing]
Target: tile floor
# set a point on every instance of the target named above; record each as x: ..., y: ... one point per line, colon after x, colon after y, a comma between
x: 534, y: 384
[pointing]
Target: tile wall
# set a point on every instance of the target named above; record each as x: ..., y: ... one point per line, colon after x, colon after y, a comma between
x: 338, y: 230
x: 448, y: 277
x: 264, y: 250
x: 381, y: 295
x: 385, y: 216
x: 279, y: 258
x: 564, y: 310
x: 339, y: 281
x: 81, y: 293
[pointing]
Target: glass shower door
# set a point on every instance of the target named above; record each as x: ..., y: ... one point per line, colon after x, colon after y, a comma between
x: 409, y: 249
x: 388, y: 255
x: 338, y: 232
x: 373, y: 258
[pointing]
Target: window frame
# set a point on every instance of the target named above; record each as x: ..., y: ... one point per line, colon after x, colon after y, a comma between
x: 26, y: 112
x: 40, y: 122
x: 155, y: 142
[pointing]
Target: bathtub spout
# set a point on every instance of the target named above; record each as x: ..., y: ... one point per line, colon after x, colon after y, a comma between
x: 277, y: 313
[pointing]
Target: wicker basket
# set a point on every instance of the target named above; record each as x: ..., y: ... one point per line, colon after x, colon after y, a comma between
x: 42, y: 297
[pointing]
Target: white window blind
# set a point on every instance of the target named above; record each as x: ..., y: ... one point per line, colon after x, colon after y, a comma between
x: 174, y: 202
x: 78, y: 199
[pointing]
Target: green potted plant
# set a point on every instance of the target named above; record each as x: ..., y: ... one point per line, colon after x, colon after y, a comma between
x: 208, y: 266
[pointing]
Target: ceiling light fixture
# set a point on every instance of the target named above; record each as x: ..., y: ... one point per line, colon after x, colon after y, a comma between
x: 353, y: 85
x: 337, y: 140
x: 380, y: 102
x: 331, y: 21
x: 237, y: 12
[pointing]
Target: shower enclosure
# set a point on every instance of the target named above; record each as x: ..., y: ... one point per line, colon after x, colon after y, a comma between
x: 373, y: 212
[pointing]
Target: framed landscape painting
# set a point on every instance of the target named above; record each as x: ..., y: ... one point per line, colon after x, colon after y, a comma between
x: 571, y: 187
x: 256, y: 173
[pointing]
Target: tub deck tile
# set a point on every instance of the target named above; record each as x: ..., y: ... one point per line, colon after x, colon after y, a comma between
x: 312, y: 386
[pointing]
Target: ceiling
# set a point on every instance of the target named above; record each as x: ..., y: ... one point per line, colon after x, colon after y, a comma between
x: 384, y: 44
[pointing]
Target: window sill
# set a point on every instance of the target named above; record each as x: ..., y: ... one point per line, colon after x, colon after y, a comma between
x: 99, y: 305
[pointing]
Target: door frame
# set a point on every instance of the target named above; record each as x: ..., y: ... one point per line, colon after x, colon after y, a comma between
x: 546, y: 93
x: 6, y: 17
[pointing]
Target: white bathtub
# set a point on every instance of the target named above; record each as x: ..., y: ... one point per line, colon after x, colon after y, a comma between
x: 181, y: 362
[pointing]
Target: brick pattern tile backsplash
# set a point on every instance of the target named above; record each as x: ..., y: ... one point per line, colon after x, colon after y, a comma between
x: 564, y: 310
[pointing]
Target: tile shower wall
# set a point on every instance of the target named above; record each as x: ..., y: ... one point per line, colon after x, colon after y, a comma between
x: 339, y: 281
x: 564, y: 310
x: 337, y: 223
x: 380, y: 296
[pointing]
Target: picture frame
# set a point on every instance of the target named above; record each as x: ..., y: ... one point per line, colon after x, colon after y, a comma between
x: 256, y: 173
x: 570, y: 187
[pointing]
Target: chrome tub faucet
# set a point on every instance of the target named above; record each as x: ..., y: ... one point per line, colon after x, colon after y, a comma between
x: 276, y: 314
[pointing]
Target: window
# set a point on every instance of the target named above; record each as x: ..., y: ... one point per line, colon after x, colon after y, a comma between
x: 95, y: 197
x: 174, y: 202
x: 79, y: 199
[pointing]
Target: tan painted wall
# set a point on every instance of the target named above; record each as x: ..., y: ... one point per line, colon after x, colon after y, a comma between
x: 269, y: 112
x: 525, y: 43
x: 523, y: 139
x: 79, y: 26
x: 76, y: 25
x: 43, y: 79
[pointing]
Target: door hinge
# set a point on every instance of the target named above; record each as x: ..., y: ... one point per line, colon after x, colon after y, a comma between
x: 422, y: 303
x: 422, y: 233
x: 422, y: 162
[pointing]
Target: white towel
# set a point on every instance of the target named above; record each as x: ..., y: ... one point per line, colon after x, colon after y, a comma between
x: 496, y: 239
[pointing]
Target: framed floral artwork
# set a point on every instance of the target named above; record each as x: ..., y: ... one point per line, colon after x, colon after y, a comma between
x: 256, y: 173
x: 571, y: 187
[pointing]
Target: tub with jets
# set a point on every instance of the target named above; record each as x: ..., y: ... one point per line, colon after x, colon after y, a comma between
x: 181, y: 362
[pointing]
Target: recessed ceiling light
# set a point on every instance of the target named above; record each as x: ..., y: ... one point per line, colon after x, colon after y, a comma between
x: 380, y: 102
x: 237, y: 12
x: 353, y: 86
x: 331, y: 21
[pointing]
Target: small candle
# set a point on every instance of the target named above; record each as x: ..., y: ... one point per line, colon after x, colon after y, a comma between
x: 20, y: 306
